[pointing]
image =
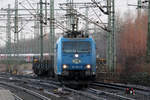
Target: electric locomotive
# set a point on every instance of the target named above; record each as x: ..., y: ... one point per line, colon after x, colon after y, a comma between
x: 76, y: 58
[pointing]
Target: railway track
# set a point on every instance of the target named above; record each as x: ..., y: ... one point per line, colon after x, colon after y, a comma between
x: 30, y: 93
x: 108, y: 95
x: 113, y: 91
x: 120, y: 86
x: 66, y: 93
x: 141, y: 90
x: 119, y: 90
x: 30, y: 86
x: 90, y: 93
x: 16, y: 97
x: 96, y: 94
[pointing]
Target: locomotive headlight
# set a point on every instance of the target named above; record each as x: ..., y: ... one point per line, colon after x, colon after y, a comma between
x: 65, y: 66
x: 88, y: 66
x: 76, y: 55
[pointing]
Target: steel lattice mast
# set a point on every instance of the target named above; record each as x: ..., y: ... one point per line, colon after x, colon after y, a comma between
x: 87, y: 23
x: 139, y: 7
x: 52, y: 30
x: 41, y: 29
x: 8, y: 37
x: 16, y: 36
x: 111, y: 37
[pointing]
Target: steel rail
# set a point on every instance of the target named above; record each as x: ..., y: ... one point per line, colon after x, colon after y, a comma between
x: 95, y: 91
x: 16, y: 97
x: 26, y: 90
x: 118, y: 86
x: 85, y: 94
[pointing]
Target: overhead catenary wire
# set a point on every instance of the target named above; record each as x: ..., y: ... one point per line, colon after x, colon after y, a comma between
x: 86, y: 18
x: 99, y: 18
x: 91, y: 21
x: 31, y: 5
x: 24, y: 25
x: 27, y: 10
x: 100, y: 7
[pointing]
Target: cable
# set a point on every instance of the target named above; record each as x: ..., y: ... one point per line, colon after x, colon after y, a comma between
x: 31, y: 5
x: 100, y: 7
x: 24, y: 25
x: 28, y: 10
x: 99, y: 18
x: 89, y: 20
x: 60, y: 24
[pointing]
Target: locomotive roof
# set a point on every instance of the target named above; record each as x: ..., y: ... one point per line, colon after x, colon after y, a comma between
x: 74, y: 39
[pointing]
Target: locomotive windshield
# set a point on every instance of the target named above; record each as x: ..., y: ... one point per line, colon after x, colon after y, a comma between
x: 76, y: 47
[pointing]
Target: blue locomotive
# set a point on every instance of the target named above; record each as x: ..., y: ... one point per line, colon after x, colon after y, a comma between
x: 76, y: 59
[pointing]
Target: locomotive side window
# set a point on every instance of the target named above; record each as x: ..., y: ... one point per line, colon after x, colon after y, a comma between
x: 76, y: 47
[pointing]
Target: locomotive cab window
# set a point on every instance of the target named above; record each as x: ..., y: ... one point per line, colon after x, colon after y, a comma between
x: 76, y: 47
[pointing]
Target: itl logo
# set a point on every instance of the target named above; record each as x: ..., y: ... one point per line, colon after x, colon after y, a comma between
x: 76, y: 61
